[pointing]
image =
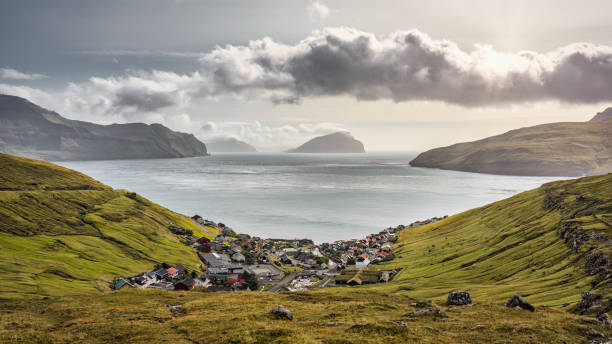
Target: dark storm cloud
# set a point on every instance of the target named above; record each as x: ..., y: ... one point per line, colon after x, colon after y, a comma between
x: 408, y: 66
x: 402, y: 66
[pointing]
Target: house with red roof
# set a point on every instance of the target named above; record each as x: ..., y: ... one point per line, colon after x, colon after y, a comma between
x: 172, y: 272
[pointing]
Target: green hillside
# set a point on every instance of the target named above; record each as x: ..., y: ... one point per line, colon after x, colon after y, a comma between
x: 63, y: 236
x: 514, y: 247
x: 64, y: 233
x: 556, y: 149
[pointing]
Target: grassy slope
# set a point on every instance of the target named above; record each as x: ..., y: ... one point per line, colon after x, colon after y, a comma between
x: 556, y: 149
x: 63, y: 233
x: 337, y: 315
x: 509, y: 247
x: 494, y: 251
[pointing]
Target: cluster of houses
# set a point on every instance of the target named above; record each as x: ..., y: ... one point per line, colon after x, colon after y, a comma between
x: 374, y: 248
x: 234, y: 261
x: 163, y: 277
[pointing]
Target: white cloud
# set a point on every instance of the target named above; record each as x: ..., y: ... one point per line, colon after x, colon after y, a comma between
x: 408, y: 65
x: 268, y: 136
x: 318, y: 10
x: 401, y: 66
x: 9, y: 73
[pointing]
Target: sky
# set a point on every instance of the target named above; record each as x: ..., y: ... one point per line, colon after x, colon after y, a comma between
x: 399, y: 75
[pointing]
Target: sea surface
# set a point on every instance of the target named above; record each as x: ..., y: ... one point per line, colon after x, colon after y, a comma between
x: 318, y: 196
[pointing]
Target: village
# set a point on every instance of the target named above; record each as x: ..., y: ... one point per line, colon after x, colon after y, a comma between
x: 232, y: 261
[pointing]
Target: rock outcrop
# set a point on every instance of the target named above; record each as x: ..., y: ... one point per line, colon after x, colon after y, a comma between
x: 340, y: 142
x: 605, y: 115
x: 31, y: 131
x: 591, y: 303
x: 458, y: 298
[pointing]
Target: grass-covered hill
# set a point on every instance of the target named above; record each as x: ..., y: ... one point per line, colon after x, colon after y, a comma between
x: 548, y: 244
x: 64, y: 233
x: 556, y: 149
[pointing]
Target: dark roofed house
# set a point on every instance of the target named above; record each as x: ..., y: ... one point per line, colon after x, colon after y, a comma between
x: 121, y: 283
x: 184, y: 284
x: 204, y: 248
x: 180, y: 268
x: 161, y: 274
x: 203, y: 240
x: 220, y: 288
x: 177, y: 230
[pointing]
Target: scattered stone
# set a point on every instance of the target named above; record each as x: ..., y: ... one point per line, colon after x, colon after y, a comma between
x: 479, y: 327
x: 177, y: 311
x: 604, y: 319
x: 518, y: 301
x: 401, y: 323
x: 332, y: 323
x: 459, y: 298
x: 421, y: 304
x: 435, y: 311
x: 591, y: 303
x: 522, y: 327
x: 282, y: 312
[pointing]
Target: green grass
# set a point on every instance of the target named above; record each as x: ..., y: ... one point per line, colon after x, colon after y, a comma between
x: 56, y: 239
x: 66, y: 243
x: 507, y: 247
x: 337, y: 315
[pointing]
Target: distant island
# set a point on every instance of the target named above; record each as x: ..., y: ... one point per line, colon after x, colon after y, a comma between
x: 29, y: 130
x: 556, y: 149
x: 229, y: 145
x: 339, y: 142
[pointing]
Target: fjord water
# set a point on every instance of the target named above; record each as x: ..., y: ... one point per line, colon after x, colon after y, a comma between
x: 318, y: 196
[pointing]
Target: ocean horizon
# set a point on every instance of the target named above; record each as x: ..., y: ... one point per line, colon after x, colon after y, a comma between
x: 324, y: 197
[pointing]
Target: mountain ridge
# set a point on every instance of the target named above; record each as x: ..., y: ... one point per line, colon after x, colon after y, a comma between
x: 32, y: 131
x: 569, y: 149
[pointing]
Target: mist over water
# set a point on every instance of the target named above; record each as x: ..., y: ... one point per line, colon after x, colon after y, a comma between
x: 318, y: 196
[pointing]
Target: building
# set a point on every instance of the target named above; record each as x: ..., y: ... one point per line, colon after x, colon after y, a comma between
x: 215, y: 260
x: 184, y: 284
x: 160, y: 274
x: 265, y: 272
x: 121, y: 283
x: 172, y: 272
x: 364, y: 263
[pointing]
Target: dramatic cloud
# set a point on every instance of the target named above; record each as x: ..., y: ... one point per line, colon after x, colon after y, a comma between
x: 318, y: 10
x: 402, y: 66
x: 9, y: 73
x: 408, y: 65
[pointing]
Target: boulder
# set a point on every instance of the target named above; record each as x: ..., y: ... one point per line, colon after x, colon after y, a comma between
x: 518, y: 301
x: 282, y: 312
x: 459, y: 298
